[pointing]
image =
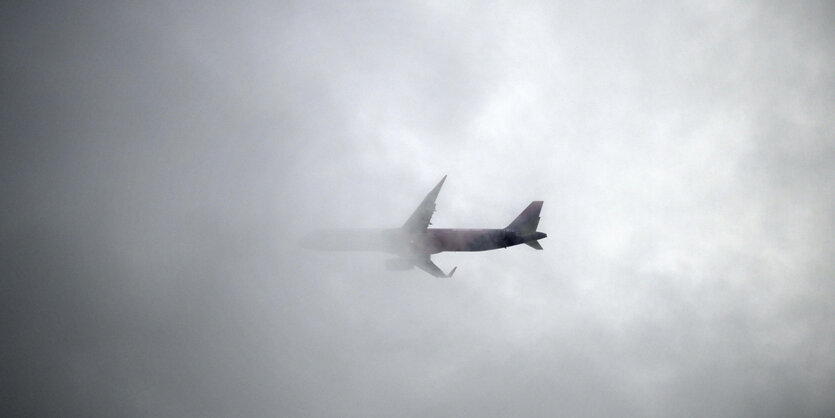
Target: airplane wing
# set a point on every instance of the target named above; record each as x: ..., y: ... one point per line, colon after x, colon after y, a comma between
x: 428, y: 266
x: 418, y: 223
x: 419, y: 220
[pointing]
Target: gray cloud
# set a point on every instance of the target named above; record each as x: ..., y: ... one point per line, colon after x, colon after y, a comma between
x: 160, y: 161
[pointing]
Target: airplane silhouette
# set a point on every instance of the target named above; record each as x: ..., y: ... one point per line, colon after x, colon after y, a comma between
x: 415, y: 242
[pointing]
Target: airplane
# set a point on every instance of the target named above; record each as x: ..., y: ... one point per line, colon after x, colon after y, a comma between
x: 414, y: 242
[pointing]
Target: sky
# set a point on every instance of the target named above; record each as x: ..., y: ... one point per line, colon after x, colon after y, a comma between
x: 160, y: 161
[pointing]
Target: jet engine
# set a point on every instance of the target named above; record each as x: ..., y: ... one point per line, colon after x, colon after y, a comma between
x: 399, y: 264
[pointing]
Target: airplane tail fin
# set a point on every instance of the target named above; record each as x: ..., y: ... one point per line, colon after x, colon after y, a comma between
x: 528, y: 220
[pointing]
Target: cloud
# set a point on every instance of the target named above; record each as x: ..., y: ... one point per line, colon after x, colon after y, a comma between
x: 161, y: 161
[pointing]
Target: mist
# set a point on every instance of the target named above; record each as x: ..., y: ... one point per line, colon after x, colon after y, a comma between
x: 161, y: 161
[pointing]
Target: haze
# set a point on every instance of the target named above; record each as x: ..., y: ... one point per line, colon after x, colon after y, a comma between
x: 159, y: 163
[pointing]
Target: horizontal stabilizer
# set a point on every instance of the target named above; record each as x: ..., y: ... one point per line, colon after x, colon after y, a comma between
x: 534, y: 244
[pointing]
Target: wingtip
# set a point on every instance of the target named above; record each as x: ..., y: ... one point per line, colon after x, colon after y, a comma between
x: 440, y: 184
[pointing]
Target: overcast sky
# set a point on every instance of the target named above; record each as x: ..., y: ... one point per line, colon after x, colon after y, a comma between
x: 160, y: 161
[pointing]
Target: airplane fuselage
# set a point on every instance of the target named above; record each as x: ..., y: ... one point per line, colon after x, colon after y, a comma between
x: 447, y: 239
x: 432, y: 241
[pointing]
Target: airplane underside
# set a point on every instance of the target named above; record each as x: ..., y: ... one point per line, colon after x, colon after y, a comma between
x: 414, y: 242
